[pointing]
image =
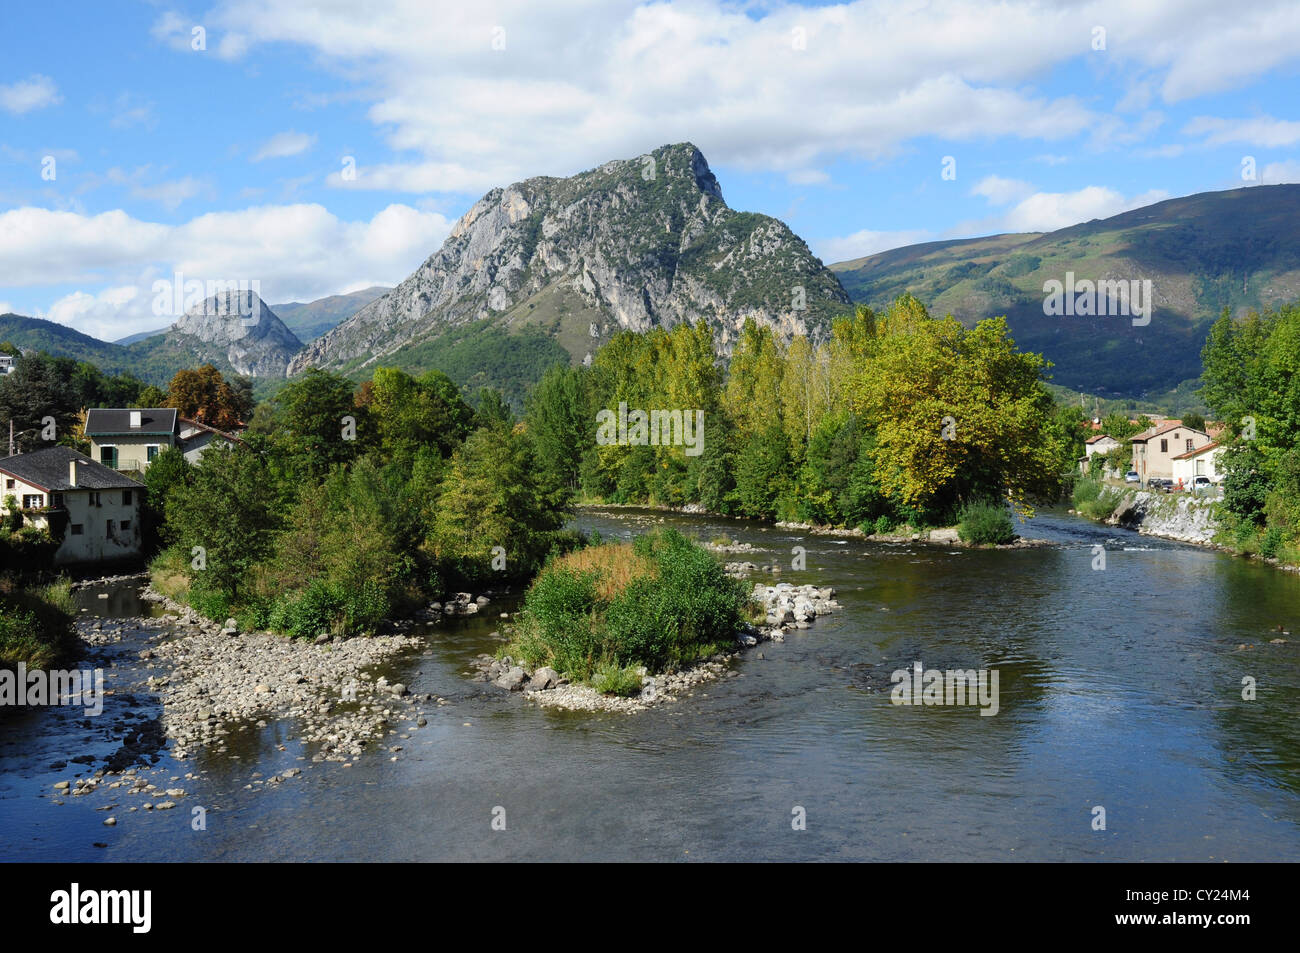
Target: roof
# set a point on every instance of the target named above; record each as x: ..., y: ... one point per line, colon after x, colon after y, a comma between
x: 1213, y: 445
x: 1168, y: 425
x: 103, y: 421
x: 212, y: 430
x: 1100, y: 436
x: 48, y: 470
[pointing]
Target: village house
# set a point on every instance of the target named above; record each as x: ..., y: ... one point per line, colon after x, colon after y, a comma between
x: 1154, y: 449
x: 1100, y: 443
x: 1203, y: 461
x: 92, y: 509
x: 6, y: 363
x: 129, y: 439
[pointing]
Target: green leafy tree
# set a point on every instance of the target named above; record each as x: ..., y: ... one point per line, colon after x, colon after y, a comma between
x: 230, y: 511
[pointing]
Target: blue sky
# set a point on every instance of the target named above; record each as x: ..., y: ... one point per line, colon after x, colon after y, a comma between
x: 227, y: 161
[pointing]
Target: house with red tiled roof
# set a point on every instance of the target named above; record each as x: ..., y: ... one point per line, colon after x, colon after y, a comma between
x: 1154, y: 449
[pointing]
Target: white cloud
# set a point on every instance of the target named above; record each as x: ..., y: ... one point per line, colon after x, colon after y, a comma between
x: 1048, y: 211
x: 1262, y: 131
x: 576, y: 83
x: 285, y: 144
x: 1000, y: 191
x: 35, y: 92
x: 132, y: 113
x: 295, y: 252
x: 808, y: 177
x: 864, y: 243
x: 104, y: 315
x: 1281, y: 173
x: 171, y: 194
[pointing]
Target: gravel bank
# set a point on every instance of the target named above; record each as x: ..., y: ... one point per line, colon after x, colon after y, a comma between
x: 788, y: 608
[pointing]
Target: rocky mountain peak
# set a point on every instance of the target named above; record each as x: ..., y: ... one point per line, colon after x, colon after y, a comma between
x: 633, y: 243
x: 239, y: 327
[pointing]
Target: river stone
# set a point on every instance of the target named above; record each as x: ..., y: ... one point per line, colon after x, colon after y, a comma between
x: 513, y: 680
x: 544, y: 678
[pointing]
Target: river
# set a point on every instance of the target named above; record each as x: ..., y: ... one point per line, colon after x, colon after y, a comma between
x: 1119, y: 688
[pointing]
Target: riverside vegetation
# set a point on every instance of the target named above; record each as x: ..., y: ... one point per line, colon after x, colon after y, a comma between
x: 897, y: 419
x: 604, y: 613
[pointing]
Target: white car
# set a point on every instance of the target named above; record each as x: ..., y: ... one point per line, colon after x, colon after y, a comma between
x: 1132, y: 477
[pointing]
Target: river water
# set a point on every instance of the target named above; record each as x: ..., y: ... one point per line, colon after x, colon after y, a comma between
x: 1119, y: 688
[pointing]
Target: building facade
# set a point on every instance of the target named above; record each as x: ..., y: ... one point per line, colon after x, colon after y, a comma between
x: 129, y: 439
x: 93, y: 510
x: 1154, y: 449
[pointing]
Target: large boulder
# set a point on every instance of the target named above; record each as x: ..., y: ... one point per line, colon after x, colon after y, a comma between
x: 511, y: 680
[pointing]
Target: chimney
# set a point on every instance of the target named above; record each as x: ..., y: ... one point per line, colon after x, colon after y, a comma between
x: 135, y: 420
x: 72, y: 472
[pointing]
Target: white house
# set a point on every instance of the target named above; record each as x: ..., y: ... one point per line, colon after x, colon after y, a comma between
x: 193, y: 438
x: 1101, y: 443
x: 6, y: 363
x: 94, y: 509
x: 1203, y: 461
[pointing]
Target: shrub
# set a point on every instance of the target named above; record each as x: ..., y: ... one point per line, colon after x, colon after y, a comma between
x: 366, y: 607
x: 305, y: 614
x: 1093, y: 500
x: 612, y: 680
x: 661, y: 601
x: 210, y: 603
x: 985, y: 524
x: 1271, y: 542
x: 883, y: 525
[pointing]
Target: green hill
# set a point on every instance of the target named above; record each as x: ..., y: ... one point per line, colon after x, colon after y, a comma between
x: 1238, y: 249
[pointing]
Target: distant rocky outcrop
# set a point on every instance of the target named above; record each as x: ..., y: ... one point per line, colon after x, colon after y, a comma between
x: 633, y: 244
x: 238, y: 330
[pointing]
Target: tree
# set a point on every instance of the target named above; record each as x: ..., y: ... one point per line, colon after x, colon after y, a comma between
x: 204, y: 395
x: 227, y: 515
x: 557, y: 422
x: 169, y: 469
x: 489, y: 499
x: 491, y: 409
x: 959, y: 415
x: 316, y: 424
x: 408, y: 413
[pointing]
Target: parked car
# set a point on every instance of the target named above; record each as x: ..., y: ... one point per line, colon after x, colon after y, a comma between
x: 1201, y: 483
x: 1160, y: 483
x: 1132, y: 477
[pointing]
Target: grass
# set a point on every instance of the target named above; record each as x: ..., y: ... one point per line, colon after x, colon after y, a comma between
x: 599, y: 614
x: 168, y: 574
x: 36, y: 624
x: 1094, y: 500
x: 615, y: 565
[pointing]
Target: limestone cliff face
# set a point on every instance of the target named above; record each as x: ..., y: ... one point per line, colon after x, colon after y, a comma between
x: 639, y: 243
x: 238, y: 329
